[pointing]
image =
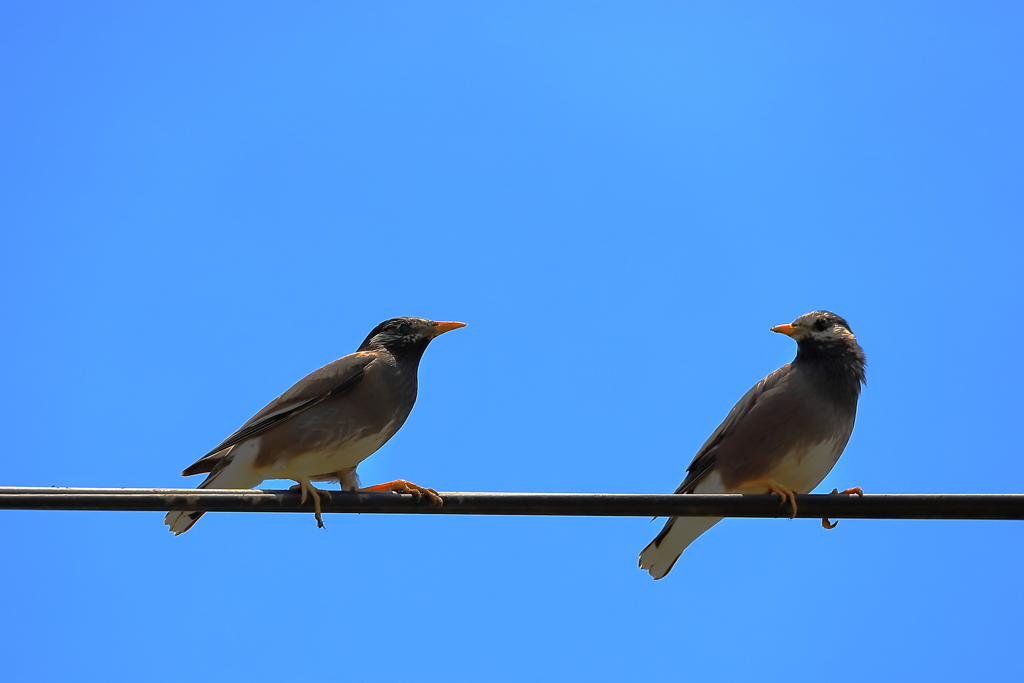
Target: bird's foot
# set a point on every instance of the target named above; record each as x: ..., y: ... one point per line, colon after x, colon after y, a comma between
x: 307, y: 489
x: 786, y: 494
x: 403, y: 486
x: 855, y: 490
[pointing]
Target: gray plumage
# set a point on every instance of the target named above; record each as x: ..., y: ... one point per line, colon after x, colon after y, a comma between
x: 328, y: 422
x: 783, y: 436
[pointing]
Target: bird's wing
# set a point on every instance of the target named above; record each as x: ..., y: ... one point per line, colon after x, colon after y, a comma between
x: 329, y: 381
x: 706, y: 457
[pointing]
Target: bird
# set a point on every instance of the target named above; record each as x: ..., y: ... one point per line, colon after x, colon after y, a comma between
x: 327, y: 423
x: 783, y: 436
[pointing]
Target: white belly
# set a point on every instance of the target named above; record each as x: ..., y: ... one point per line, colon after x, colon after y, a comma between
x: 329, y: 460
x: 803, y: 474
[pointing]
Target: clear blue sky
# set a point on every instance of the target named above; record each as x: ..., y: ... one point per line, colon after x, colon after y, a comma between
x: 202, y: 202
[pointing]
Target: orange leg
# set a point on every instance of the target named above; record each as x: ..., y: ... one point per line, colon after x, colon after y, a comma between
x: 787, y: 495
x: 855, y: 490
x: 403, y: 486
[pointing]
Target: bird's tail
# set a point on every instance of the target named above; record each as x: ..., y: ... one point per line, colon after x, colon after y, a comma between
x: 678, y: 533
x: 227, y: 477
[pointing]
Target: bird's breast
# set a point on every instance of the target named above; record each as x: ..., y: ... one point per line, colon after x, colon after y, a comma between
x: 343, y: 452
x: 328, y: 438
x: 804, y: 467
x: 339, y: 433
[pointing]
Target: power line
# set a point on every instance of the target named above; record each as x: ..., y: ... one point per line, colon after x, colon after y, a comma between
x: 869, y: 506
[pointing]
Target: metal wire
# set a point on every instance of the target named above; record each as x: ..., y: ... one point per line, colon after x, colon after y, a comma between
x: 870, y: 506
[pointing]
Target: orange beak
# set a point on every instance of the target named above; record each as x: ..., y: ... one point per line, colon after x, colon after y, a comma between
x: 442, y: 327
x: 786, y: 329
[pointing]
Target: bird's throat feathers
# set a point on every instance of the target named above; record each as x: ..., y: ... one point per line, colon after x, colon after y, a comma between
x: 839, y: 366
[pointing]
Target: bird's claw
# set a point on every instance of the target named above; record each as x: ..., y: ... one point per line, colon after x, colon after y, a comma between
x: 787, y: 495
x: 403, y: 486
x: 790, y: 497
x: 306, y: 488
x: 856, y: 490
x: 431, y: 495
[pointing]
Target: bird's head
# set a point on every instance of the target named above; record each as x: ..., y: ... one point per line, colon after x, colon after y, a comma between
x: 400, y: 334
x: 821, y: 327
x: 823, y: 333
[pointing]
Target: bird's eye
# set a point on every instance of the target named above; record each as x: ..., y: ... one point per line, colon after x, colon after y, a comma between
x: 821, y: 324
x: 404, y: 329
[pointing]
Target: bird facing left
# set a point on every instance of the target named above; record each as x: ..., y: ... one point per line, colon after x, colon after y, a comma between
x: 784, y: 436
x: 327, y: 423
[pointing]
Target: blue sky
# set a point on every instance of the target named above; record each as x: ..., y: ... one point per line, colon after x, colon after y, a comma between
x: 202, y: 202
